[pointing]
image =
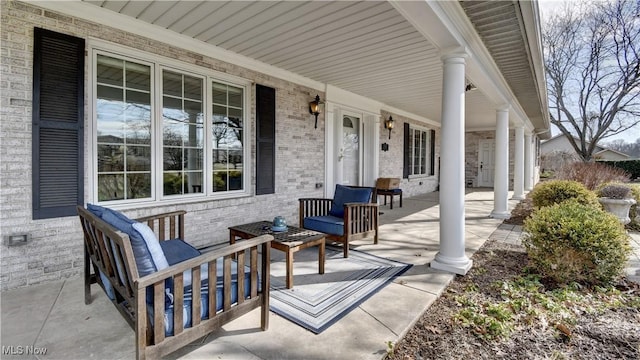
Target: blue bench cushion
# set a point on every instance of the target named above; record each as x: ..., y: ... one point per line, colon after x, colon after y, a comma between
x: 204, y: 296
x: 108, y: 288
x: 325, y: 224
x: 143, y: 255
x: 177, y: 251
x: 344, y: 195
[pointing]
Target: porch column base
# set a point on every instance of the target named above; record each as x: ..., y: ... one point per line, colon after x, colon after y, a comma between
x: 458, y: 266
x: 500, y: 214
x: 517, y: 197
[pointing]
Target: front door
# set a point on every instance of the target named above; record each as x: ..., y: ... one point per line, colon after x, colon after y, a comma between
x: 486, y: 158
x: 349, y: 151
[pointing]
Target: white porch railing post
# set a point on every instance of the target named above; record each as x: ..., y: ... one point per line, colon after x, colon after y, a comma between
x: 518, y: 165
x: 501, y: 178
x: 451, y: 256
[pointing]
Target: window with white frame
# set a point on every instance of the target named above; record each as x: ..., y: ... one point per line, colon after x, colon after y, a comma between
x: 166, y: 133
x: 420, y: 152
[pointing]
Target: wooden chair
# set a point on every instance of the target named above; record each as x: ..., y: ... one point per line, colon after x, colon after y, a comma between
x: 142, y: 299
x: 351, y: 215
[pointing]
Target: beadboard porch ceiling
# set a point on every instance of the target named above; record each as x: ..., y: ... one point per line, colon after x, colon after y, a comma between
x: 365, y: 47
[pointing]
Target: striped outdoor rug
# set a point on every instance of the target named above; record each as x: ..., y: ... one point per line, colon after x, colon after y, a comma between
x: 317, y: 301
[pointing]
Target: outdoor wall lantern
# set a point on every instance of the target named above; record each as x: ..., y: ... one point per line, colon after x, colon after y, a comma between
x: 314, y: 109
x: 388, y: 124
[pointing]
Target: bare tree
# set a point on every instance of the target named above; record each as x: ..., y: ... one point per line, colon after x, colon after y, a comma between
x: 592, y: 64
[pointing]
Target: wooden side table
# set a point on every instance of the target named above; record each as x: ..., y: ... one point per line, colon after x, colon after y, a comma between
x: 290, y: 242
x: 391, y: 193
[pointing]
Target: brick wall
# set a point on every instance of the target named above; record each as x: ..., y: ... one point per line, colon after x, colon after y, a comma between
x: 55, y: 247
x: 391, y: 162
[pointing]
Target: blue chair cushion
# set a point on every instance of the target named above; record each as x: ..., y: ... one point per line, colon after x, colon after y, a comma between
x: 345, y: 195
x: 108, y: 288
x: 178, y: 251
x: 204, y: 297
x: 325, y: 224
x: 144, y: 260
x: 395, y: 191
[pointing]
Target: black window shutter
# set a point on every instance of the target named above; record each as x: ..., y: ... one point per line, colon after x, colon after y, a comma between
x: 58, y: 118
x: 407, y: 153
x: 265, y: 140
x: 432, y: 134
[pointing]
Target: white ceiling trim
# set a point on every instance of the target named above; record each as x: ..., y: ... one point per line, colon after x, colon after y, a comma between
x: 346, y: 98
x: 128, y: 24
x: 96, y: 14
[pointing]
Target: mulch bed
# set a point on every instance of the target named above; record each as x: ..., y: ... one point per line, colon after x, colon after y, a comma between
x: 611, y: 334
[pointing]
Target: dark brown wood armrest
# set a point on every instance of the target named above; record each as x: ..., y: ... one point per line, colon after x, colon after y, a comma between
x: 313, y: 207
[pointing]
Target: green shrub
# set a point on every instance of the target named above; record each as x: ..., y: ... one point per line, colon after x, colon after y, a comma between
x: 556, y: 191
x: 572, y: 242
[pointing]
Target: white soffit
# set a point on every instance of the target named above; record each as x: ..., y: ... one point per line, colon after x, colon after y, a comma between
x: 367, y: 48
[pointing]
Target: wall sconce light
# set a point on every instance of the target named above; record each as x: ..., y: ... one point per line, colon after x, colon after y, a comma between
x: 314, y: 109
x: 388, y: 124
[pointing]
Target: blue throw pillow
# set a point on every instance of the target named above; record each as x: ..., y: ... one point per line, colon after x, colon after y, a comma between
x: 344, y: 195
x: 144, y: 261
x: 149, y: 237
x: 96, y: 210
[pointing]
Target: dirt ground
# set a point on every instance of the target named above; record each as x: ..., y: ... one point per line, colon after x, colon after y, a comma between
x: 612, y: 332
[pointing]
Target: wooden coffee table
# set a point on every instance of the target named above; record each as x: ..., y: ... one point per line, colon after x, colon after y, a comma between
x: 290, y: 241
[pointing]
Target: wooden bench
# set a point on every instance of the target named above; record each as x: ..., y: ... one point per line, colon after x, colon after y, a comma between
x: 109, y: 252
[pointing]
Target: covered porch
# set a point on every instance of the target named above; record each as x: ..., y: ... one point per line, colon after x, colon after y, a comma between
x: 53, y: 316
x: 463, y: 82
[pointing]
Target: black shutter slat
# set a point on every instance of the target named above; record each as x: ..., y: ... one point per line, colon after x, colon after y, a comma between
x: 433, y: 152
x: 58, y: 118
x: 265, y: 139
x: 407, y: 153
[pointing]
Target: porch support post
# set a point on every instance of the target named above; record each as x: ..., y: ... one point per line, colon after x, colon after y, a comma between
x: 518, y: 165
x: 501, y: 178
x: 451, y: 256
x: 528, y: 163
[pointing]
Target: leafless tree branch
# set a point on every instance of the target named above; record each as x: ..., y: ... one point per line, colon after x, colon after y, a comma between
x: 593, y: 71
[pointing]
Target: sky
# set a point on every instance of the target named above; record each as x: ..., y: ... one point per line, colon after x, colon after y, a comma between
x: 548, y: 7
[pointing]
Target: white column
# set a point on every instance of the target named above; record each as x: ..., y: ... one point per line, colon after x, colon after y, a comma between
x: 528, y: 163
x: 501, y: 178
x: 518, y: 165
x: 451, y: 256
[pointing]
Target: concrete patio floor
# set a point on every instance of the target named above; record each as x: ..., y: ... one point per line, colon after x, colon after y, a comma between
x: 52, y: 317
